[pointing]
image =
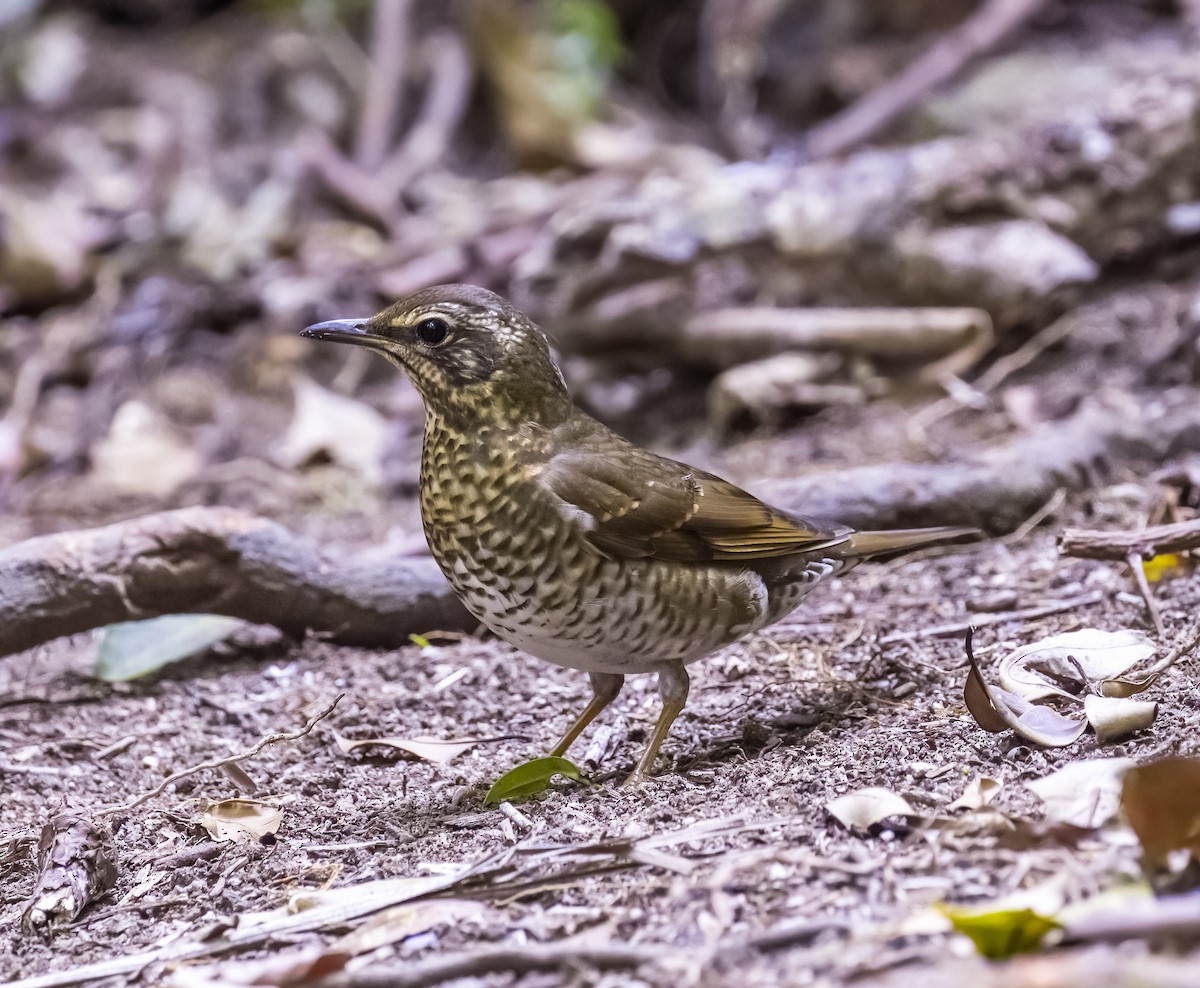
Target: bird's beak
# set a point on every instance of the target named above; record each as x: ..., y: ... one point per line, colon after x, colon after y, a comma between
x: 345, y: 331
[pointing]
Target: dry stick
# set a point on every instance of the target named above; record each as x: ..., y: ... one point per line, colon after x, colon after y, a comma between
x: 863, y: 119
x: 448, y: 66
x: 1133, y: 548
x: 993, y: 377
x: 1087, y: 543
x: 979, y: 621
x: 217, y: 561
x: 728, y: 337
x: 519, y: 960
x: 263, y: 742
x: 390, y: 29
x: 998, y: 488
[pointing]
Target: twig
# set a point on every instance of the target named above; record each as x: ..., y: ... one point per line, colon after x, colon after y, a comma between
x: 216, y: 763
x: 476, y: 963
x: 448, y: 65
x: 1172, y: 918
x: 866, y: 117
x: 993, y: 377
x: 1086, y: 543
x: 385, y: 82
x: 1133, y: 548
x: 1134, y: 559
x: 979, y: 621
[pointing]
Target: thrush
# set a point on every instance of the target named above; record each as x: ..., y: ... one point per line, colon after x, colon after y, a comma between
x: 572, y: 543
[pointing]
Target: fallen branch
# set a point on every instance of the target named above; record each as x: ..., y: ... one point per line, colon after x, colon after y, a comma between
x: 998, y: 489
x: 216, y: 561
x: 734, y: 336
x: 1087, y: 543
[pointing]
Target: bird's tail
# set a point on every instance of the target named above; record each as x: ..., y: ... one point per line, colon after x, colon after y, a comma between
x: 896, y: 542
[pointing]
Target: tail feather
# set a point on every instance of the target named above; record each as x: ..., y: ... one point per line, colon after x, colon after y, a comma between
x: 865, y: 545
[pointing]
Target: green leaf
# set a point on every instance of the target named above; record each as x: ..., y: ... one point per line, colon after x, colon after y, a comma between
x: 530, y: 778
x: 1001, y: 933
x: 137, y: 648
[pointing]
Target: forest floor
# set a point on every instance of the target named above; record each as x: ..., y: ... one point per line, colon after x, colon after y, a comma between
x: 730, y: 844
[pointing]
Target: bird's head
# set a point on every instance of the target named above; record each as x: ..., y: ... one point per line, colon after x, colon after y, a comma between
x: 468, y: 351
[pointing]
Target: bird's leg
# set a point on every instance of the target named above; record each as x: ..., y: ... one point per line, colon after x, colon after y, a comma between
x: 605, y: 687
x: 673, y: 688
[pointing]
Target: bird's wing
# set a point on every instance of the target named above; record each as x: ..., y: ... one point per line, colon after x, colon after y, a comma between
x: 638, y: 505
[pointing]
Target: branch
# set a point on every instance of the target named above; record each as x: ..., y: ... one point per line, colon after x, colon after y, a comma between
x: 994, y: 21
x: 385, y: 82
x: 217, y: 561
x: 492, y: 960
x: 997, y: 489
x: 1087, y: 543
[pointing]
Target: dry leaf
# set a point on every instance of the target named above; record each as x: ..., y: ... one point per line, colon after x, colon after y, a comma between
x: 351, y: 434
x: 864, y: 808
x: 1161, y: 801
x: 430, y: 749
x: 979, y: 792
x: 241, y: 820
x: 142, y: 453
x: 991, y: 705
x: 1083, y: 794
x: 1040, y: 669
x: 1114, y: 717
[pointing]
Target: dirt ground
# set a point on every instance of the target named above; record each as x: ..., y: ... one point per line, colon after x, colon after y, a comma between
x: 183, y: 186
x: 846, y: 693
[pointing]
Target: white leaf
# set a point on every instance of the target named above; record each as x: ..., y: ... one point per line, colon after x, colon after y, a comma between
x: 1083, y: 794
x: 866, y: 807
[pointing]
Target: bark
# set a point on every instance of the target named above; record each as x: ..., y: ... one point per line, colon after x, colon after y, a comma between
x: 996, y: 490
x: 217, y: 561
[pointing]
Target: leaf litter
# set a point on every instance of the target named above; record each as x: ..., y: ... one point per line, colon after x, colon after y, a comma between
x: 1051, y: 691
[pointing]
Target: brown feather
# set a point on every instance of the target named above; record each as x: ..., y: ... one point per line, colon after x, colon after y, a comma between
x: 639, y: 505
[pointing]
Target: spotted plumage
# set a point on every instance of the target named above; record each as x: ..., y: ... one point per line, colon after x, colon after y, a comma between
x: 568, y: 541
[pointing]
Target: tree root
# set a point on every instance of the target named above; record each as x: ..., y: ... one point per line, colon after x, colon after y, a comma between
x: 218, y: 561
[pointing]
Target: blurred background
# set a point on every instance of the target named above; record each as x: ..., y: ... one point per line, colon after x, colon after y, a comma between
x: 679, y: 191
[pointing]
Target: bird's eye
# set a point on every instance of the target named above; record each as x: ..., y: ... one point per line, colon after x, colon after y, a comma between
x: 432, y: 331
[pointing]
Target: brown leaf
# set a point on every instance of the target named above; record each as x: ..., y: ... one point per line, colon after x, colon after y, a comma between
x: 1161, y: 801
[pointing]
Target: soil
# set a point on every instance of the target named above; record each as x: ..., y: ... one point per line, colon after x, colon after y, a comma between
x: 846, y: 693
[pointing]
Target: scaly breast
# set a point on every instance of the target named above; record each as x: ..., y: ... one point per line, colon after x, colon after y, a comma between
x: 533, y: 577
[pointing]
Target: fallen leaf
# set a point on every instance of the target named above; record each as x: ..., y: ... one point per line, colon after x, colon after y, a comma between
x: 864, y: 808
x: 1163, y: 565
x: 979, y: 792
x: 430, y: 749
x: 530, y: 778
x: 1161, y: 801
x: 242, y: 821
x: 137, y: 648
x: 1114, y: 717
x: 1079, y: 659
x: 142, y: 453
x: 1034, y: 722
x: 401, y: 922
x: 1001, y: 933
x: 1083, y: 794
x: 351, y: 434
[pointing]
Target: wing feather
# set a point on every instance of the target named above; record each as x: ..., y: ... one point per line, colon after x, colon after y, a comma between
x: 646, y: 506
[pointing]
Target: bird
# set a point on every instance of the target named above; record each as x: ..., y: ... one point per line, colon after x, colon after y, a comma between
x: 572, y: 543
